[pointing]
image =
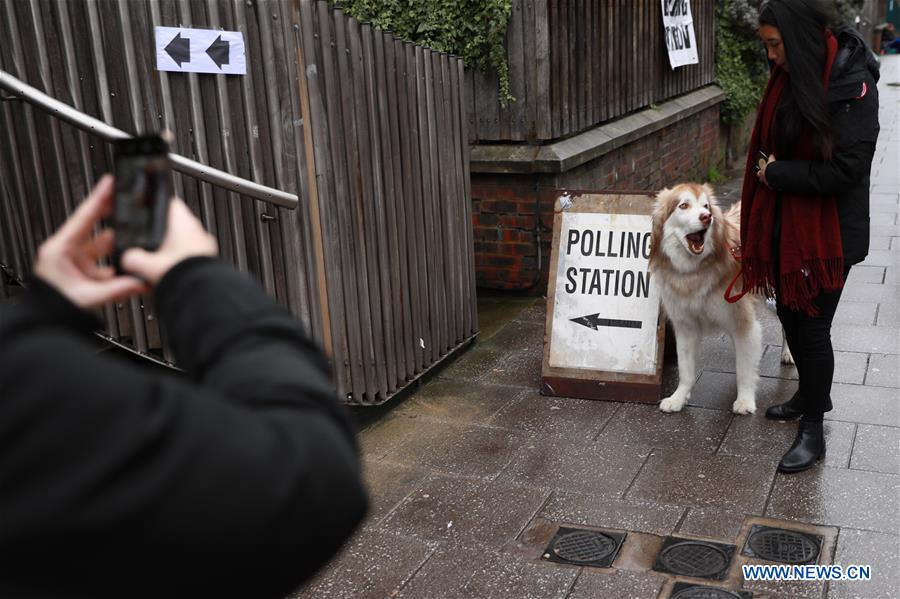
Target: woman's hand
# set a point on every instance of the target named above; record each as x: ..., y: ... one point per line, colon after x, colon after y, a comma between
x: 68, y: 259
x: 761, y: 173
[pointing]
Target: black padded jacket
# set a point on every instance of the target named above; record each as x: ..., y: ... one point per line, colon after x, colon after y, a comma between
x: 238, y: 479
x: 853, y: 102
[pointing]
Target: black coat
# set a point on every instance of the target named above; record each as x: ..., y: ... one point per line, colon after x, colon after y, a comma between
x: 855, y: 128
x: 238, y: 479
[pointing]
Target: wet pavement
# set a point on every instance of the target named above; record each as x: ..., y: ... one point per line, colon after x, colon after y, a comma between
x: 472, y: 475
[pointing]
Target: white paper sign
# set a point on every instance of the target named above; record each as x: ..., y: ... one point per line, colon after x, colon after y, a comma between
x: 200, y: 51
x: 606, y: 310
x: 679, y: 32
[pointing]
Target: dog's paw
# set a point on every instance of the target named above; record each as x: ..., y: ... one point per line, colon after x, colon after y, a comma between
x: 744, y: 405
x: 786, y: 356
x: 673, y: 403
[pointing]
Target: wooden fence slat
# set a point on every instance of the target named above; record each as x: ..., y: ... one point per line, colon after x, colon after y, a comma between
x: 543, y: 60
x: 396, y: 194
x: 367, y: 231
x: 410, y: 64
x: 316, y: 32
x: 382, y: 236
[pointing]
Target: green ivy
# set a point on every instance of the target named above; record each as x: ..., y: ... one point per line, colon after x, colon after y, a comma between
x: 475, y: 30
x: 741, y: 67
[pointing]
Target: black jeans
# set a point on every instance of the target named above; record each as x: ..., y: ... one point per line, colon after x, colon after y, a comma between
x: 809, y: 338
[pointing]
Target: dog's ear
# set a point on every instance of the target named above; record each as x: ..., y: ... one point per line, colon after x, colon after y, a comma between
x: 661, y: 210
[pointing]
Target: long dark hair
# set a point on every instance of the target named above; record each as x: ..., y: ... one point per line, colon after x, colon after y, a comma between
x: 802, y: 25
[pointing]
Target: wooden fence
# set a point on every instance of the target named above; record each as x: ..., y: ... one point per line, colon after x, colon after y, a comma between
x: 576, y: 63
x: 377, y: 258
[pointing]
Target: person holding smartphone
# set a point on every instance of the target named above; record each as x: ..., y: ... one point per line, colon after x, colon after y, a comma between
x: 239, y: 478
x: 805, y: 197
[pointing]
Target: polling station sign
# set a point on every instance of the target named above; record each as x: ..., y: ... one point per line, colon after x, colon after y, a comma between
x: 681, y: 41
x: 604, y: 331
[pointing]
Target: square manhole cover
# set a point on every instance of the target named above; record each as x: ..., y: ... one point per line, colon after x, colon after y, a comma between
x: 689, y: 590
x: 782, y: 546
x: 690, y: 557
x: 583, y: 547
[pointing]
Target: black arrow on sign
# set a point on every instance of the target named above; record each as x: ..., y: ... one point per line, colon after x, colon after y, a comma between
x: 179, y: 49
x: 593, y: 321
x: 219, y: 52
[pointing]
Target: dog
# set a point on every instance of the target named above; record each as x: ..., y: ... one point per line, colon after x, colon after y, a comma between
x: 692, y: 262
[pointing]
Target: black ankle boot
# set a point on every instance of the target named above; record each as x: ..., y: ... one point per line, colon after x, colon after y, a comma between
x: 808, y: 448
x: 789, y: 410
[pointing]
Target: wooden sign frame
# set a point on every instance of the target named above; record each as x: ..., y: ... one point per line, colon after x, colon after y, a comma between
x: 597, y: 384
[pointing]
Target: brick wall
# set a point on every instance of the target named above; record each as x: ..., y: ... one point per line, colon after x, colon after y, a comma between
x: 510, y: 212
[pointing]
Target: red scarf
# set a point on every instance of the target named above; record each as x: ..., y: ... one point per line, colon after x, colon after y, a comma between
x: 811, y: 256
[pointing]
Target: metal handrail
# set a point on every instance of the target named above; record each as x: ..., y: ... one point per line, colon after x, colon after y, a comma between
x: 87, y: 123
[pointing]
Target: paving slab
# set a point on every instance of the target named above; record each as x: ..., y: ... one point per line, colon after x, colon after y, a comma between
x: 717, y: 390
x: 460, y: 449
x: 888, y: 315
x: 621, y: 584
x: 884, y: 370
x: 557, y: 417
x: 849, y: 367
x: 711, y: 523
x: 703, y: 480
x: 869, y: 274
x: 503, y: 577
x: 535, y: 313
x: 373, y: 564
x: 876, y: 448
x: 472, y: 570
x: 393, y: 430
x: 700, y: 429
x: 574, y: 509
x: 874, y: 339
x: 518, y: 335
x: 864, y: 404
x: 855, y: 313
x: 878, y: 243
x: 759, y: 436
x: 388, y: 485
x: 595, y: 468
x: 839, y: 497
x: 444, y: 509
x: 518, y: 368
x: 873, y: 292
x: 459, y: 401
x: 472, y: 365
x: 881, y: 551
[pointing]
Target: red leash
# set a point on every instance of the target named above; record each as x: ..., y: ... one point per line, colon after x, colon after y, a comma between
x: 736, y: 254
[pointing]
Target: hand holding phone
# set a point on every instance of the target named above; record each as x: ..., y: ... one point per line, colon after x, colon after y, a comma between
x: 142, y: 192
x: 762, y: 160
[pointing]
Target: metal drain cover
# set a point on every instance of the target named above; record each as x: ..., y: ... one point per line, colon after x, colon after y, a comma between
x: 688, y: 557
x: 584, y: 547
x: 686, y: 590
x: 783, y: 546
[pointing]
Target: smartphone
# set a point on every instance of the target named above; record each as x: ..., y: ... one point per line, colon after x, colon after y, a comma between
x: 761, y: 160
x: 143, y: 189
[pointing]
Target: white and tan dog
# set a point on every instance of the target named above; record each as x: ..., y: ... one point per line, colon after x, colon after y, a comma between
x: 691, y: 262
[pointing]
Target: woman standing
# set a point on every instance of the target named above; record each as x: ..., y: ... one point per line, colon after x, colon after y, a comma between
x: 805, y: 198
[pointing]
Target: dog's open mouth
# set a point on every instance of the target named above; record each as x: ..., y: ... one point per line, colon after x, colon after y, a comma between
x: 696, y: 241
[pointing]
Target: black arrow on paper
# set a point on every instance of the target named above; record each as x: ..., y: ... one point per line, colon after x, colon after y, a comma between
x: 219, y: 51
x: 179, y: 49
x: 593, y: 321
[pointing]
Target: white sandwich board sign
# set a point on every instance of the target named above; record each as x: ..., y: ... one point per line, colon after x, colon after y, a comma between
x: 187, y: 50
x: 604, y: 330
x: 681, y: 41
